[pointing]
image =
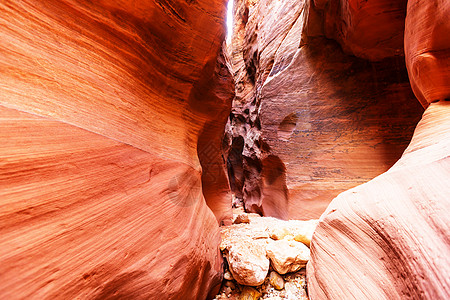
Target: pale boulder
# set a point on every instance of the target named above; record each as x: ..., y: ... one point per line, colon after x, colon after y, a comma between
x: 248, y: 263
x: 287, y: 256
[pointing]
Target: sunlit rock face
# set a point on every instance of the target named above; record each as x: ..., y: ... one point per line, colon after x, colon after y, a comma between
x: 106, y: 126
x: 310, y: 121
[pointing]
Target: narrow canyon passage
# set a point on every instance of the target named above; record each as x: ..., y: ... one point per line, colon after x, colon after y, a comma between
x: 147, y: 153
x: 319, y: 109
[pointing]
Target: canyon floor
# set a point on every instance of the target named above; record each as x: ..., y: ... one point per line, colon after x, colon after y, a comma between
x: 265, y: 257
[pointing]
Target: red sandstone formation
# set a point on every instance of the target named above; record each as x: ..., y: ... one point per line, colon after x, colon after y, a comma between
x: 369, y: 29
x: 389, y: 238
x: 309, y: 121
x: 111, y: 175
x: 427, y: 45
x: 105, y: 111
x: 213, y: 98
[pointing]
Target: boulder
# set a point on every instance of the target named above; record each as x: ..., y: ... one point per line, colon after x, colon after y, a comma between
x: 249, y: 293
x: 248, y: 263
x: 287, y: 256
x: 276, y: 280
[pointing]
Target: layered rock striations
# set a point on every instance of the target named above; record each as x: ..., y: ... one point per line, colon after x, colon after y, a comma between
x: 310, y: 121
x: 388, y: 238
x: 109, y: 112
x: 369, y: 29
x: 427, y: 50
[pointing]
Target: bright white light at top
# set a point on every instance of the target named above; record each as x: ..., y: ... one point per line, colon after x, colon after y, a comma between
x: 229, y: 20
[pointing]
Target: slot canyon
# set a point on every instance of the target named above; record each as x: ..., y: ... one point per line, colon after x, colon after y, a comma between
x: 145, y: 154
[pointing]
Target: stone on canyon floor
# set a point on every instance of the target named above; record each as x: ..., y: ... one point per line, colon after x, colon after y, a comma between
x: 261, y: 244
x: 241, y: 218
x: 287, y: 256
x: 227, y: 276
x: 301, y: 231
x: 276, y: 280
x: 249, y: 293
x: 294, y: 289
x: 248, y: 262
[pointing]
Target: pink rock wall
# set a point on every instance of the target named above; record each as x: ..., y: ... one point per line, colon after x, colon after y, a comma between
x: 102, y: 128
x: 309, y: 121
x: 388, y: 238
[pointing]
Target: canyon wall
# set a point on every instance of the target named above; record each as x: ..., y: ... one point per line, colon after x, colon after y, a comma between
x: 389, y: 238
x: 111, y: 120
x: 427, y: 49
x: 371, y: 30
x: 314, y: 117
x: 310, y: 120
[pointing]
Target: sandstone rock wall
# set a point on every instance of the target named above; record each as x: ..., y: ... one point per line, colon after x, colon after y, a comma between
x: 308, y: 120
x: 369, y: 29
x: 388, y: 238
x: 427, y: 49
x: 106, y: 124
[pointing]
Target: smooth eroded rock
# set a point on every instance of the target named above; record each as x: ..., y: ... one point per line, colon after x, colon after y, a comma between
x: 276, y: 280
x: 427, y: 49
x: 248, y: 263
x: 368, y: 29
x: 388, y: 238
x: 249, y: 293
x: 109, y: 111
x: 309, y: 121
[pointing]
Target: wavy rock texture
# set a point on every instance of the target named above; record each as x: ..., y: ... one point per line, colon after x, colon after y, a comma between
x: 309, y: 121
x: 105, y: 124
x: 427, y: 49
x: 369, y: 29
x: 389, y: 238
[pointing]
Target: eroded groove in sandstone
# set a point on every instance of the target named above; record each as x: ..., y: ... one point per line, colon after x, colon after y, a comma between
x: 104, y: 116
x: 334, y: 121
x: 388, y: 238
x: 427, y: 50
x: 369, y: 29
x: 112, y: 159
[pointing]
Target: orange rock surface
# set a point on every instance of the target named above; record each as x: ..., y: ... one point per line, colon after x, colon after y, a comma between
x: 104, y: 124
x: 308, y: 120
x: 112, y: 179
x: 369, y: 29
x: 388, y: 238
x: 427, y: 49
